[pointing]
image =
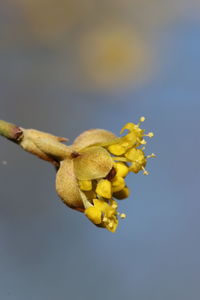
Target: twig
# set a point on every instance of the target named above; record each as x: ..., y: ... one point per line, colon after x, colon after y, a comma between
x: 44, y: 145
x: 10, y: 131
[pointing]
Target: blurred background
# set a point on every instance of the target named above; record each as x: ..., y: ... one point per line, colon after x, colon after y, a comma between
x: 67, y: 66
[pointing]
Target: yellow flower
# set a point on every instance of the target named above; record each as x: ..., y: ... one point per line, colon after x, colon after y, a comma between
x: 103, y: 214
x: 95, y: 174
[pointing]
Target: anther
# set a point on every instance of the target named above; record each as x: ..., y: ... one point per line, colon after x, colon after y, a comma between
x: 150, y: 134
x: 142, y: 119
x: 114, y: 205
x: 122, y: 216
x: 151, y: 155
x: 143, y: 142
x: 145, y: 172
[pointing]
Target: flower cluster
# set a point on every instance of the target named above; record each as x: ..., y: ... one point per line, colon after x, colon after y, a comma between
x: 94, y: 177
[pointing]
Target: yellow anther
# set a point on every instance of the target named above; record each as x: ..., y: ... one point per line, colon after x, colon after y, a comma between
x: 105, y: 219
x: 142, y: 119
x: 121, y: 169
x: 122, y: 216
x: 143, y: 142
x: 150, y: 134
x: 114, y: 205
x: 145, y: 172
x: 103, y: 188
x: 151, y: 155
x: 85, y: 185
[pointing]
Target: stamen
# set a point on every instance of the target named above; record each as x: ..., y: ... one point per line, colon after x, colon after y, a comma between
x: 105, y: 219
x: 145, y: 172
x: 122, y: 216
x: 150, y: 134
x: 114, y: 205
x: 143, y: 142
x: 110, y: 225
x: 151, y: 155
x: 142, y: 119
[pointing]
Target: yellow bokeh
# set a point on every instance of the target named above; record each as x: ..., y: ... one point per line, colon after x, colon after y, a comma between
x: 113, y: 54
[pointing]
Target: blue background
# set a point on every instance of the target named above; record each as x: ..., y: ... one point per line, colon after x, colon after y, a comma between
x: 48, y: 251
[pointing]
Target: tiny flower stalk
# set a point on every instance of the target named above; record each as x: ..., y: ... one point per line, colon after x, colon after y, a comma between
x: 91, y: 173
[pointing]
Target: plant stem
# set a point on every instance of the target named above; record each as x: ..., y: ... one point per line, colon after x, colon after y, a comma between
x: 44, y: 145
x: 10, y: 131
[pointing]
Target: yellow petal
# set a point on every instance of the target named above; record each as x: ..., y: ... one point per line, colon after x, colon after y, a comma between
x: 128, y: 126
x: 130, y: 139
x: 108, y: 214
x: 121, y: 169
x: 118, y: 184
x: 85, y: 185
x: 92, y: 137
x: 93, y: 214
x: 100, y: 204
x: 93, y: 163
x: 104, y: 189
x: 116, y: 149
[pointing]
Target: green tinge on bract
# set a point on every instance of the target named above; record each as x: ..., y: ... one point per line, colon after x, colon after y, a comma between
x: 92, y: 163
